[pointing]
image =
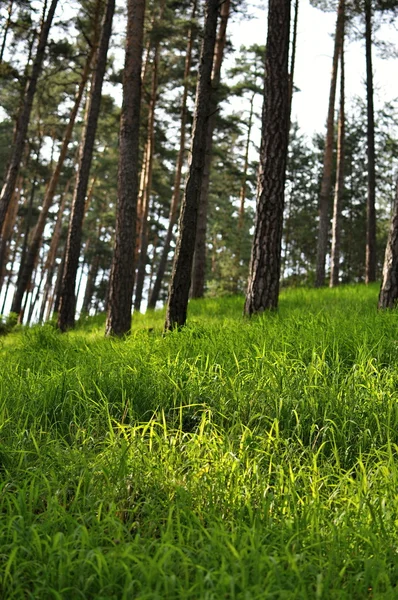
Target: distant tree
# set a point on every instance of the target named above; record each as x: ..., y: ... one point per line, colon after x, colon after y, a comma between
x: 326, y: 185
x: 181, y: 276
x: 339, y: 187
x: 24, y: 117
x: 265, y: 265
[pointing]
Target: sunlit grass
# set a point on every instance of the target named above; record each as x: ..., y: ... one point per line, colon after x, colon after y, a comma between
x: 236, y: 459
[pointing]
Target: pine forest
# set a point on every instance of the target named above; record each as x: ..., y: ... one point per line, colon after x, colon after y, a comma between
x: 198, y: 290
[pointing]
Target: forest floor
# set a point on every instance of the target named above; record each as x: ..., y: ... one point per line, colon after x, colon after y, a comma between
x: 247, y: 459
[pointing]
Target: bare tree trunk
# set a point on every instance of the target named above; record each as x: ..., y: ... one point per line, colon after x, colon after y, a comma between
x: 37, y: 234
x: 263, y: 287
x: 8, y: 227
x: 175, y: 200
x: 181, y: 277
x: 370, y: 274
x: 49, y: 265
x: 122, y: 271
x: 199, y: 264
x: 339, y: 188
x: 66, y: 314
x: 24, y: 117
x: 293, y: 55
x: 150, y: 144
x: 326, y: 184
x: 6, y: 29
x: 389, y: 286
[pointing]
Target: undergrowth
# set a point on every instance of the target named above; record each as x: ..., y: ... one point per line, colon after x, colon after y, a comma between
x: 237, y: 458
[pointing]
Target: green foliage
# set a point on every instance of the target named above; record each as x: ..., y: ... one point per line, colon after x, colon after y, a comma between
x: 235, y: 459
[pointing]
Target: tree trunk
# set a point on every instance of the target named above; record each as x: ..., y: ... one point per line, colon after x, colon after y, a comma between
x: 122, y: 272
x: 175, y: 200
x: 293, y: 56
x: 150, y: 144
x: 326, y: 184
x: 389, y: 286
x: 90, y: 285
x: 339, y: 188
x: 265, y: 265
x: 24, y: 117
x: 8, y: 227
x: 49, y: 265
x: 66, y: 315
x: 199, y: 264
x: 370, y: 274
x: 6, y: 28
x: 27, y: 265
x: 181, y: 276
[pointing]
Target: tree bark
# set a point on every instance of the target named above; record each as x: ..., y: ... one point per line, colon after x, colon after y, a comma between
x: 199, y: 264
x: 8, y: 227
x: 6, y: 28
x: 24, y: 117
x: 66, y: 315
x: 389, y: 286
x: 339, y: 188
x: 265, y: 265
x: 122, y: 271
x: 370, y: 274
x: 175, y: 200
x: 27, y: 265
x: 326, y: 183
x: 150, y: 147
x: 181, y: 276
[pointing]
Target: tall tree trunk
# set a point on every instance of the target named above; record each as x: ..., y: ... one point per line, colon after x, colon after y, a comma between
x: 389, y: 286
x: 49, y: 265
x: 122, y: 271
x: 199, y: 264
x: 6, y: 29
x: 371, y: 198
x: 326, y: 183
x: 181, y: 276
x: 143, y: 237
x: 24, y: 117
x: 175, y: 200
x: 293, y: 56
x: 27, y: 265
x: 339, y: 188
x: 8, y: 227
x: 66, y: 314
x: 265, y: 265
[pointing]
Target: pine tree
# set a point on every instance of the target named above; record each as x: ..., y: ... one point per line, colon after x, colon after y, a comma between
x: 265, y: 264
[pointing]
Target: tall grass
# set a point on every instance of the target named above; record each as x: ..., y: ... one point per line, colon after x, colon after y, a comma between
x: 237, y: 458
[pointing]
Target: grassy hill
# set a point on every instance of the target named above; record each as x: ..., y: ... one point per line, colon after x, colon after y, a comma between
x: 246, y: 459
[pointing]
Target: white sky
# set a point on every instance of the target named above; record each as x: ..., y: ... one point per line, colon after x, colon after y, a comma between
x: 314, y: 61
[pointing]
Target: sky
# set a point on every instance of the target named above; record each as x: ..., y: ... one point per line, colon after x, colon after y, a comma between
x: 314, y: 61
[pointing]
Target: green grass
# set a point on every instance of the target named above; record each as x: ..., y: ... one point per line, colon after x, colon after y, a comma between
x: 246, y: 459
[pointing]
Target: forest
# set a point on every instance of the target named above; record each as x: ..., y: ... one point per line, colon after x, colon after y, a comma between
x: 198, y: 332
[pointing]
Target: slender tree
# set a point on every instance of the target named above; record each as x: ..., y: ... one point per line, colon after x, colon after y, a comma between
x: 199, y: 265
x: 339, y: 187
x: 181, y: 276
x: 27, y: 265
x: 24, y: 116
x: 175, y: 200
x: 370, y: 274
x: 66, y: 316
x: 326, y: 184
x: 122, y: 271
x: 265, y: 264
